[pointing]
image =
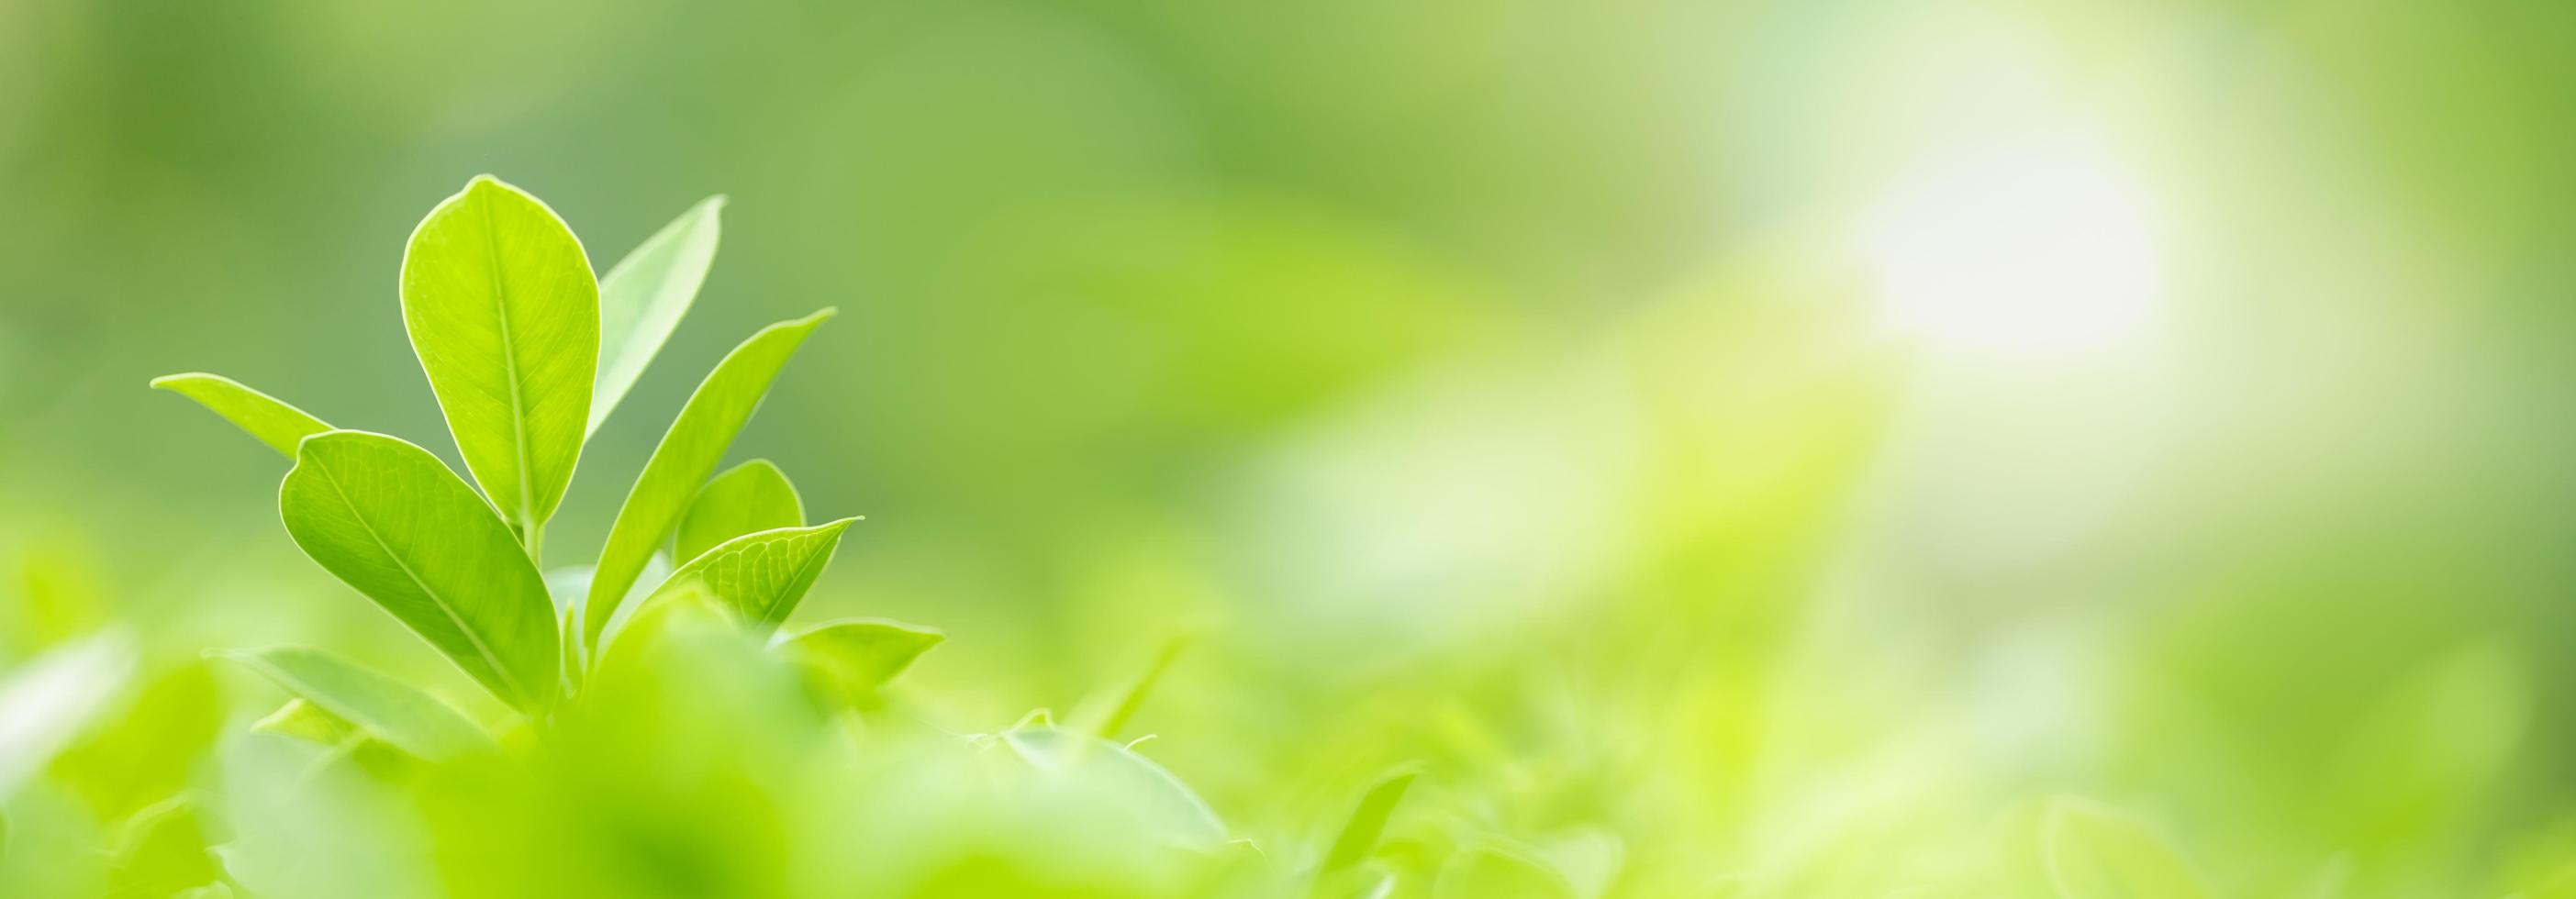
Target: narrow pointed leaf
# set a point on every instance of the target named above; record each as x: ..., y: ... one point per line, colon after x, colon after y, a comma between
x: 761, y: 576
x: 1360, y: 834
x: 390, y: 520
x: 643, y: 297
x: 275, y: 423
x: 504, y: 314
x: 748, y: 498
x: 374, y: 703
x: 855, y: 658
x: 2094, y: 852
x: 688, y: 454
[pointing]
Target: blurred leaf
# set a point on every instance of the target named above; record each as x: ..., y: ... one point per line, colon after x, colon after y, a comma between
x: 47, y: 702
x: 504, y: 314
x: 2094, y: 852
x: 61, y: 594
x: 275, y: 423
x: 307, y: 722
x: 161, y: 853
x: 747, y: 498
x: 1496, y: 870
x: 148, y: 754
x: 1107, y: 724
x: 761, y: 577
x: 382, y: 707
x: 1169, y: 809
x: 854, y: 658
x: 1359, y: 835
x: 644, y: 296
x: 687, y: 455
x: 389, y: 519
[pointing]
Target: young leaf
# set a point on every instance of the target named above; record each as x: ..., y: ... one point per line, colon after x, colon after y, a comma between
x: 275, y: 423
x: 762, y: 576
x: 2095, y: 853
x: 389, y: 519
x: 854, y: 658
x: 747, y: 498
x: 644, y: 296
x: 378, y: 705
x: 1368, y: 820
x: 1163, y: 802
x: 688, y: 454
x: 504, y: 314
x: 307, y: 722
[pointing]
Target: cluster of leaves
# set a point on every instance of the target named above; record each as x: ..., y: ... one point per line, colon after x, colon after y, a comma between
x: 667, y: 733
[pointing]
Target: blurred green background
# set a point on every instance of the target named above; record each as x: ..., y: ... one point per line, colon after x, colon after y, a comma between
x: 1782, y: 436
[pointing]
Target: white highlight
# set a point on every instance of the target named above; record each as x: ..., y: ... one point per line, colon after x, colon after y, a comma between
x: 2044, y: 245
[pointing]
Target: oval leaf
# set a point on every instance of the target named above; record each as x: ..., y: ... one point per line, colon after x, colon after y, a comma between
x: 504, y: 314
x: 2094, y: 852
x: 382, y: 707
x: 688, y: 454
x: 643, y: 297
x: 761, y: 576
x: 275, y: 423
x: 390, y: 520
x: 855, y: 658
x: 748, y: 498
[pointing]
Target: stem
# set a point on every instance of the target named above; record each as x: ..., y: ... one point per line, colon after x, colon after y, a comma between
x: 533, y: 536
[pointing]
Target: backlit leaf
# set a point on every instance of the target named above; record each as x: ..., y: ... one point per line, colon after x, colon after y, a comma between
x: 389, y: 519
x: 644, y: 296
x: 747, y: 498
x: 374, y: 703
x: 307, y: 722
x: 688, y: 454
x: 760, y: 577
x: 854, y: 658
x: 1368, y: 820
x: 504, y: 314
x: 275, y: 423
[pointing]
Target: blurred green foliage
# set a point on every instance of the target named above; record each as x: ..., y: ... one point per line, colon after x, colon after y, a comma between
x: 1480, y: 385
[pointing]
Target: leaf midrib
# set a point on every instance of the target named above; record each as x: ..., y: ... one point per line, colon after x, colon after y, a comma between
x: 510, y: 369
x: 490, y: 659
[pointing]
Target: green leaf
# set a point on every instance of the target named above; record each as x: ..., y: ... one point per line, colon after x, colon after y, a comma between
x: 1159, y: 799
x: 308, y: 722
x: 275, y: 423
x: 643, y: 297
x: 854, y: 658
x: 1495, y: 869
x: 748, y: 498
x: 762, y: 576
x: 390, y: 520
x: 688, y: 454
x: 504, y: 314
x: 1360, y: 835
x: 150, y: 752
x: 380, y: 706
x: 2093, y: 852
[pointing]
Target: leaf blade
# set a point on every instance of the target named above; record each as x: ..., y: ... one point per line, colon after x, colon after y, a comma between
x: 373, y: 702
x: 390, y: 520
x: 688, y: 453
x: 1360, y: 834
x: 644, y: 296
x: 747, y: 498
x: 856, y: 657
x: 271, y: 420
x: 761, y: 576
x: 503, y: 311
